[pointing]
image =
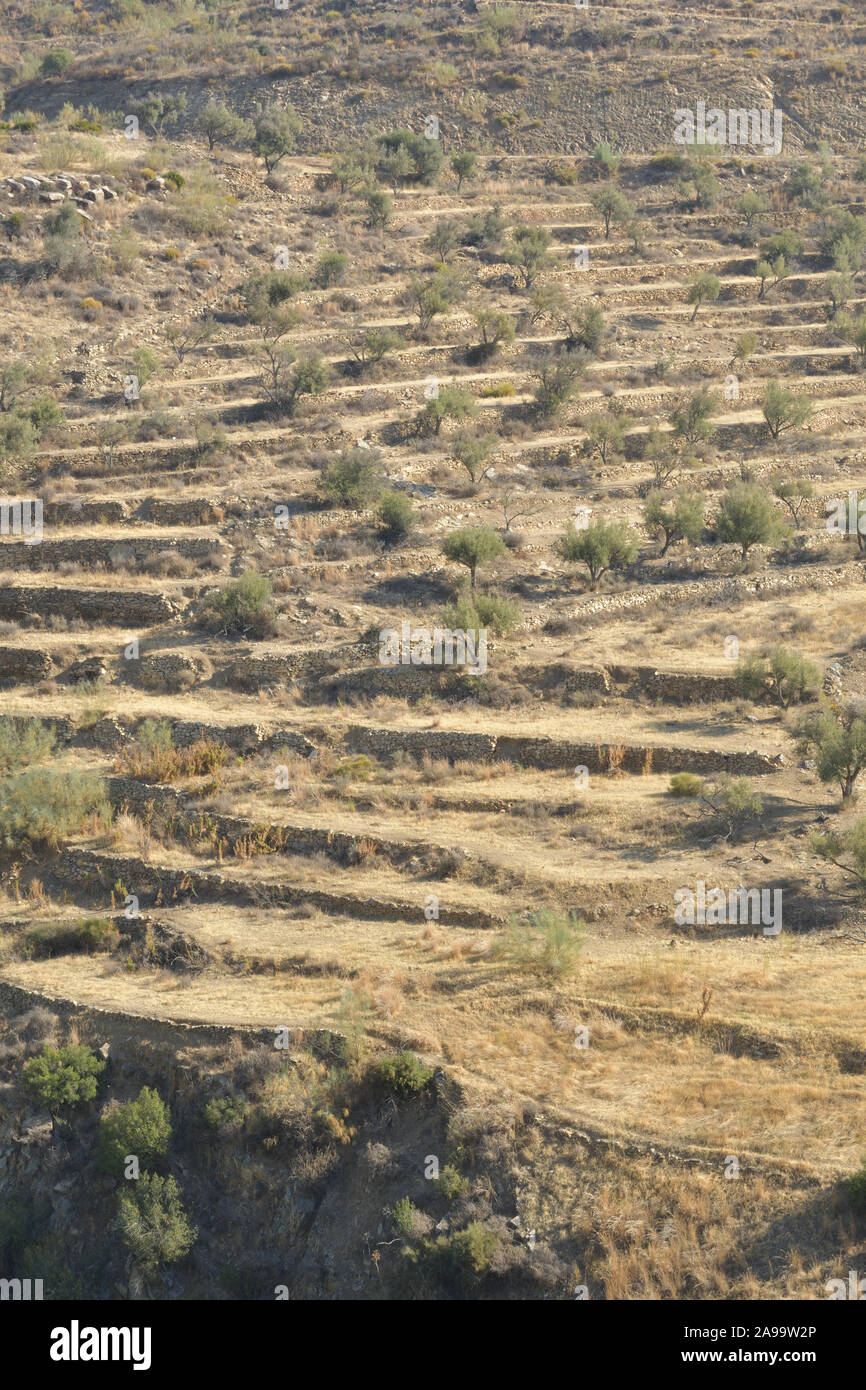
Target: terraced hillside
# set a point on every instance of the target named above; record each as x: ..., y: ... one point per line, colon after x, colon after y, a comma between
x: 597, y: 406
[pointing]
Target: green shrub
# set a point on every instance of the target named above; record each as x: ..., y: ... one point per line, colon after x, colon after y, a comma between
x: 55, y: 62
x: 473, y: 546
x: 450, y: 1183
x: 141, y: 1127
x: 396, y: 516
x: 331, y: 269
x: 241, y: 608
x: 686, y: 784
x: 459, y: 1261
x: 224, y: 1113
x: 547, y: 942
x: 359, y: 768
x: 857, y: 1188
x: 403, y: 1074
x: 352, y: 479
x: 23, y: 742
x: 174, y: 178
x: 90, y: 935
x: 38, y: 808
x: 154, y: 758
x: 750, y: 676
x: 471, y: 612
x: 403, y: 1214
x: 153, y: 1223
x: 63, y: 1077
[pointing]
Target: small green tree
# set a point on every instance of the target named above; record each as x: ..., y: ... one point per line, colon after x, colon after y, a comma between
x: 219, y: 125
x: 837, y: 740
x: 397, y: 167
x: 847, y: 850
x: 63, y: 1077
x: 274, y: 132
x: 396, y: 516
x: 703, y: 289
x: 403, y: 1074
x: 528, y: 250
x: 605, y: 437
x: 352, y: 479
x: 473, y: 546
x: 452, y: 403
x: 794, y: 493
x: 546, y: 942
x: 141, y: 1127
x: 155, y: 110
x: 792, y: 676
x: 613, y: 208
x: 465, y: 165
x: 733, y: 805
x: 784, y: 410
x: 433, y: 296
x: 153, y: 1223
x: 350, y: 169
x: 444, y: 238
x: 605, y: 164
x: 379, y: 207
x: 601, y: 546
x: 751, y: 206
x: 682, y: 519
x: 745, y: 347
x: 583, y: 323
x: 692, y: 421
x: 472, y: 452
x: 496, y: 328
x: 373, y: 347
x: 558, y: 379
x: 747, y: 517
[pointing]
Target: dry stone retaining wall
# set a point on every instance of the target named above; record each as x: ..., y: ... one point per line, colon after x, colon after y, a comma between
x: 112, y: 607
x: 95, y: 874
x: 101, y: 551
x: 550, y: 754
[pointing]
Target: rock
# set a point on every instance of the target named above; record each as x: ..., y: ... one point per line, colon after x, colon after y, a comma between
x: 51, y: 198
x: 36, y: 1128
x: 90, y: 669
x: 156, y: 185
x: 94, y: 195
x: 107, y: 734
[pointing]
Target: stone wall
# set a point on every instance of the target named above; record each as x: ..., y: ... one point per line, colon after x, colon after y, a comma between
x: 550, y: 754
x: 113, y: 607
x: 94, y: 1024
x: 93, y: 550
x: 93, y: 875
x: 24, y: 664
x: 347, y: 849
x: 599, y: 606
